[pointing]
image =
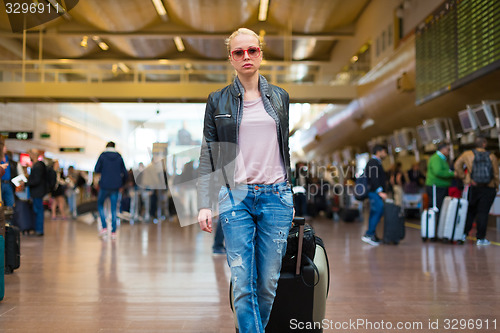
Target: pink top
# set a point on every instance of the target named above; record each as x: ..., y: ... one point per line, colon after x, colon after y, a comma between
x: 259, y: 160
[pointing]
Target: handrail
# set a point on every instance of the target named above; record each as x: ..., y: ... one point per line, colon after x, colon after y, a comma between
x: 137, y: 71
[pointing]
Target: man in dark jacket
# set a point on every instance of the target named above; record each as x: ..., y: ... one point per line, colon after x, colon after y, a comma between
x: 113, y: 176
x: 376, y: 186
x: 37, y: 183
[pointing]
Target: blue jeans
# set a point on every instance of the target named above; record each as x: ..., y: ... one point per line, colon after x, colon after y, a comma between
x: 113, y: 197
x: 376, y: 212
x: 38, y: 209
x: 72, y: 202
x: 7, y: 195
x: 255, y: 221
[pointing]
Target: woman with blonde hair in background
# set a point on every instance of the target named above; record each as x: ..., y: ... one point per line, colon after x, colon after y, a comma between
x: 58, y: 193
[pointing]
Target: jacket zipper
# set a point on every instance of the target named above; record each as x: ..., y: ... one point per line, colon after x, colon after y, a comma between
x: 238, y: 119
x: 223, y: 116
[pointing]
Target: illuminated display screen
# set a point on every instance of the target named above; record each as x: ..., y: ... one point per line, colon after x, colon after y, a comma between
x: 456, y: 44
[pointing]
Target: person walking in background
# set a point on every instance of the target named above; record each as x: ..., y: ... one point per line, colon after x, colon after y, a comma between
x: 377, y: 184
x: 482, y: 177
x: 187, y: 179
x: 249, y: 116
x: 3, y: 166
x: 38, y: 186
x: 397, y: 181
x: 58, y: 193
x: 440, y: 176
x: 113, y: 176
x: 416, y: 179
x: 71, y: 180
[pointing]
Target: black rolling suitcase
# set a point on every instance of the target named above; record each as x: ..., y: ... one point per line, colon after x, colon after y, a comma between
x: 87, y: 207
x: 24, y: 216
x: 12, y: 249
x: 394, y: 223
x: 302, y: 288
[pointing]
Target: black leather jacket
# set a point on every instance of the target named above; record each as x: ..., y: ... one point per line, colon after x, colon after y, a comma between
x: 223, y: 114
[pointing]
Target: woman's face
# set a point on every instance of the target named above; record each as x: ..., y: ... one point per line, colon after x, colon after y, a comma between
x: 248, y: 64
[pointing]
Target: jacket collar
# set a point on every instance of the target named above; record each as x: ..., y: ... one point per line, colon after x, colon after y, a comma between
x: 440, y: 154
x: 237, y: 89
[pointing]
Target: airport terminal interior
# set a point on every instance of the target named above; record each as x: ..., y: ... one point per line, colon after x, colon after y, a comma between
x: 412, y: 76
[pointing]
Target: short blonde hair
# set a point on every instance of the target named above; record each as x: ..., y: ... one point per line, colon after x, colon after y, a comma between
x: 241, y: 31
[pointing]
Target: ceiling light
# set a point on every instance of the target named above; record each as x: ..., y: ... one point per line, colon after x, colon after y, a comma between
x: 160, y: 9
x: 367, y: 123
x: 114, y: 68
x: 123, y: 67
x: 84, y: 43
x: 100, y: 42
x: 264, y: 6
x: 103, y: 46
x: 179, y: 44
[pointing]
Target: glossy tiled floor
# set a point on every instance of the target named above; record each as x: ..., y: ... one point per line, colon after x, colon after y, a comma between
x: 163, y: 278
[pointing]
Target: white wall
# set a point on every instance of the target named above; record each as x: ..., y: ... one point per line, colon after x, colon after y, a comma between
x: 69, y: 125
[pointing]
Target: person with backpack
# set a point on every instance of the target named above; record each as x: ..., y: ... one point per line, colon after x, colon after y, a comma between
x: 482, y: 178
x: 376, y: 185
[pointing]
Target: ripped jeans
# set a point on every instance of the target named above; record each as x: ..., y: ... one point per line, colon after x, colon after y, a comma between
x: 255, y: 220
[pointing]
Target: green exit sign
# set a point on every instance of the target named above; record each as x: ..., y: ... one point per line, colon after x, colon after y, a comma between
x: 44, y: 135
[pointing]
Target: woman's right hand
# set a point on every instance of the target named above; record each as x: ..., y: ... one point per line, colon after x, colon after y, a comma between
x: 205, y: 219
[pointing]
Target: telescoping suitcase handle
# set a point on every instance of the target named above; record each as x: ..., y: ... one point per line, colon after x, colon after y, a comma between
x: 300, y: 221
x: 434, y: 198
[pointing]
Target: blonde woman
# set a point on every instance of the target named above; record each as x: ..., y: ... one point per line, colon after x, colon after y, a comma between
x: 58, y: 193
x: 247, y: 121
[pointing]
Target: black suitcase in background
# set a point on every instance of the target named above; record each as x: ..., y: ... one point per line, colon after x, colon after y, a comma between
x: 394, y: 223
x: 12, y: 249
x: 349, y: 214
x: 87, y: 207
x: 24, y: 216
